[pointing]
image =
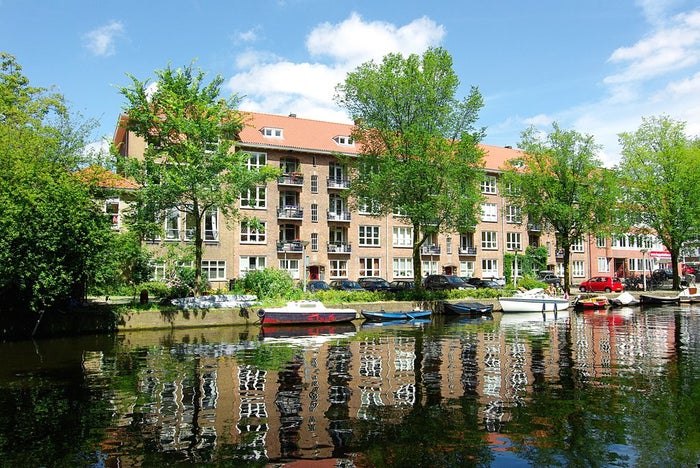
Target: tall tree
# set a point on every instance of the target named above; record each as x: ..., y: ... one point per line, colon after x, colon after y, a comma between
x: 561, y: 183
x: 190, y: 162
x: 661, y: 175
x: 52, y: 234
x: 418, y: 146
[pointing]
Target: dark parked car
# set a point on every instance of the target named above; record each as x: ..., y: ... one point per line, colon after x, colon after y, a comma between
x: 317, y: 285
x: 442, y: 282
x: 484, y: 283
x: 402, y: 285
x: 373, y: 283
x: 549, y: 277
x: 346, y: 285
x: 662, y: 274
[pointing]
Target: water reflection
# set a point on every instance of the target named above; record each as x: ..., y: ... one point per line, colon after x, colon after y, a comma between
x: 595, y: 388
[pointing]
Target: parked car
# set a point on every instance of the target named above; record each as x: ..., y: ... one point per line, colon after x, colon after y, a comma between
x: 549, y: 277
x: 602, y: 284
x: 317, y: 285
x: 662, y: 274
x: 442, y: 282
x: 346, y: 285
x: 374, y: 283
x: 401, y: 285
x: 483, y: 283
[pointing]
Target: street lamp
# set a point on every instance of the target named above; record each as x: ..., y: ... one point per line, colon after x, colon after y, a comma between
x: 644, y: 268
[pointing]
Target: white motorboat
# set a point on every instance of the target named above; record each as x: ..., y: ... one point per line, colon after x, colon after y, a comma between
x: 533, y: 300
x: 296, y: 312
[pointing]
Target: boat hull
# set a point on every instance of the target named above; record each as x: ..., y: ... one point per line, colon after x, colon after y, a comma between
x: 309, y: 312
x: 383, y: 316
x: 467, y: 308
x: 658, y: 300
x: 533, y: 304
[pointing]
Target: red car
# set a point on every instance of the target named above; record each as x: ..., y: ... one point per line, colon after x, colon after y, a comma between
x: 602, y: 284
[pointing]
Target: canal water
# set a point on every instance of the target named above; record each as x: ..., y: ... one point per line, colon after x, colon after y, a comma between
x: 603, y: 388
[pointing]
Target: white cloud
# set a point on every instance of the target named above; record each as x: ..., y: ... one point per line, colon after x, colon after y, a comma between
x: 275, y: 85
x: 100, y: 41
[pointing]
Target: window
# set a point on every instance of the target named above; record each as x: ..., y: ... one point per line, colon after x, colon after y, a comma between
x: 429, y: 267
x: 578, y: 268
x: 251, y: 234
x: 637, y: 264
x: 577, y: 246
x: 600, y: 242
x: 214, y: 270
x: 314, y: 184
x: 603, y: 265
x: 254, y: 198
x: 272, y: 132
x: 369, y: 236
x: 314, y: 213
x: 211, y: 225
x: 257, y: 160
x: 489, y: 240
x: 448, y: 245
x: 289, y: 165
x: 158, y: 271
x: 172, y: 225
x: 369, y: 267
x: 339, y: 268
x: 513, y: 214
x: 513, y: 241
x: 403, y: 236
x: 250, y: 264
x: 466, y: 268
x: 112, y: 211
x: 489, y: 212
x: 314, y: 242
x: 489, y: 267
x: 488, y: 185
x: 290, y: 265
x: 343, y: 140
x: 367, y: 206
x: 403, y: 267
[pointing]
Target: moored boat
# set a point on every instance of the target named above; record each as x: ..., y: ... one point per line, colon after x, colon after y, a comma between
x: 592, y: 302
x: 533, y: 300
x: 383, y: 315
x: 305, y: 312
x: 625, y: 299
x: 689, y: 296
x: 650, y: 299
x: 467, y: 308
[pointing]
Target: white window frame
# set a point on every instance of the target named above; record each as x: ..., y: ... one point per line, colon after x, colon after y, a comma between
x: 578, y: 268
x: 249, y: 235
x: 402, y: 267
x: 272, y: 132
x: 255, y: 198
x: 466, y: 268
x: 489, y: 185
x: 429, y: 267
x: 514, y: 241
x: 338, y: 269
x: 369, y: 236
x: 249, y: 263
x: 489, y: 240
x: 489, y: 267
x: 214, y: 270
x: 489, y: 212
x: 402, y: 236
x: 256, y: 160
x: 211, y: 225
x: 577, y: 246
x: 513, y: 214
x: 603, y: 265
x: 291, y: 266
x: 370, y: 266
x: 172, y: 225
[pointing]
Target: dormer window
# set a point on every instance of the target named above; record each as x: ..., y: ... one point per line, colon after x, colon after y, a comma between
x: 344, y: 140
x: 272, y: 132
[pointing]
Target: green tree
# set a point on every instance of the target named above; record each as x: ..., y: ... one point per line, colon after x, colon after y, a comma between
x: 418, y: 145
x: 53, y: 236
x: 189, y: 162
x: 660, y: 167
x: 561, y: 183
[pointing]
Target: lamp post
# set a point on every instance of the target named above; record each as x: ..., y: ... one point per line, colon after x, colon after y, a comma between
x: 644, y: 268
x: 305, y: 261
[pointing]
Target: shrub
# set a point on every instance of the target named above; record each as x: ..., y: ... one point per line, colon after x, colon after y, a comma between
x: 269, y: 283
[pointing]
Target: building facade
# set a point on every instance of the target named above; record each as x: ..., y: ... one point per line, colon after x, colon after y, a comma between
x: 311, y: 231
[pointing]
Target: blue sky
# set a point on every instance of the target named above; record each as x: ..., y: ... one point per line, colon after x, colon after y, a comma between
x: 596, y: 66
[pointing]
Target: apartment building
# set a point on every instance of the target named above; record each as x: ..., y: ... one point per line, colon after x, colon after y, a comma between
x: 311, y: 231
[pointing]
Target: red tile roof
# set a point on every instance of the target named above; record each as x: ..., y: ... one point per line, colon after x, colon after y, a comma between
x: 318, y: 136
x: 104, y: 178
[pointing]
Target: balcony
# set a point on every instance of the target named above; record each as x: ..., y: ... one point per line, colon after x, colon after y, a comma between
x: 339, y: 248
x: 532, y: 227
x: 290, y: 212
x: 431, y: 249
x: 559, y: 254
x: 295, y: 179
x: 337, y: 183
x: 293, y: 246
x: 343, y: 216
x: 468, y: 251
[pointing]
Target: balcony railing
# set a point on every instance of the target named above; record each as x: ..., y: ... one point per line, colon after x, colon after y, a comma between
x: 293, y: 246
x: 339, y: 247
x: 470, y: 251
x: 559, y: 253
x: 291, y: 179
x: 337, y: 183
x: 290, y: 212
x: 534, y: 227
x: 343, y: 216
x: 430, y: 250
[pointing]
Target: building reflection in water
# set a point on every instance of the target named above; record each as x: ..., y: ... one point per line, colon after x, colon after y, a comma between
x: 195, y: 399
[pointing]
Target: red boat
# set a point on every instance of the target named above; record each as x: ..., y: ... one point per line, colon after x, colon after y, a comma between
x: 594, y: 302
x: 305, y: 312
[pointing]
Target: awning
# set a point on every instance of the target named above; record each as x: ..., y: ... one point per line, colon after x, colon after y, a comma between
x: 660, y: 254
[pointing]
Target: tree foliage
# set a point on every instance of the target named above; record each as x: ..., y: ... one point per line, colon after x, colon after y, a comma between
x: 189, y: 163
x: 561, y: 183
x: 418, y: 144
x: 53, y: 235
x: 660, y: 167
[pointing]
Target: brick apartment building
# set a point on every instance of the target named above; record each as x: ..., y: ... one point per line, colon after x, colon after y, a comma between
x: 311, y: 231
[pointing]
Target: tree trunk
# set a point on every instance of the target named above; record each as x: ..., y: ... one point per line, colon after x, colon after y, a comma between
x: 417, y: 261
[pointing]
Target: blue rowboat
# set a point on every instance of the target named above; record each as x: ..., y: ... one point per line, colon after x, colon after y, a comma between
x: 383, y: 316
